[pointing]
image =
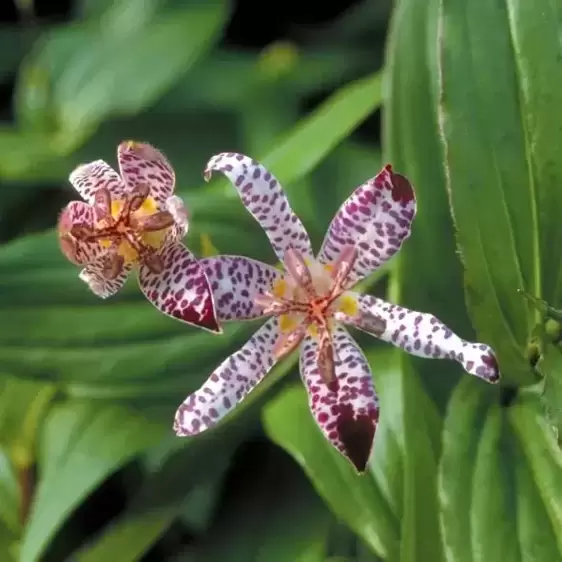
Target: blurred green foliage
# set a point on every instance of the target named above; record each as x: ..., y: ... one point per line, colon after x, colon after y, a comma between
x: 90, y: 470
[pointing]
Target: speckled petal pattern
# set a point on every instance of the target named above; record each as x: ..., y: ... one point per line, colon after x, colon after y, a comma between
x: 377, y: 218
x: 181, y: 290
x: 424, y: 335
x: 265, y: 199
x: 88, y: 178
x: 93, y: 275
x: 175, y: 206
x: 79, y: 252
x: 141, y: 163
x: 348, y: 412
x: 235, y: 282
x: 229, y: 384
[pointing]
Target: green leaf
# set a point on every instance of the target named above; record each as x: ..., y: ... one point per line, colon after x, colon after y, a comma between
x: 92, y: 72
x: 493, y: 506
x: 543, y: 457
x: 462, y: 431
x: 490, y: 173
x: 537, y: 539
x: 430, y: 276
x: 274, y: 517
x: 498, y: 478
x: 9, y: 495
x: 8, y: 545
x: 22, y: 152
x: 22, y: 406
x: 82, y: 444
x: 421, y: 426
x: 550, y: 365
x: 535, y: 35
x: 186, y: 468
x: 313, y: 71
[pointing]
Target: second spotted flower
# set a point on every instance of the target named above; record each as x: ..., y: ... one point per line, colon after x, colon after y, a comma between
x: 132, y: 218
x: 311, y: 301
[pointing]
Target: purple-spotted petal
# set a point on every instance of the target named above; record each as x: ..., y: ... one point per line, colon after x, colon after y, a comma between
x: 229, y: 384
x: 174, y: 205
x: 265, y: 199
x: 423, y: 335
x: 141, y: 163
x: 181, y: 289
x: 79, y: 252
x: 88, y: 178
x: 235, y: 282
x: 346, y: 412
x: 95, y: 275
x: 377, y: 218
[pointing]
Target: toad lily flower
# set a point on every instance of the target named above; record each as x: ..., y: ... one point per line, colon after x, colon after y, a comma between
x: 309, y: 303
x: 133, y: 219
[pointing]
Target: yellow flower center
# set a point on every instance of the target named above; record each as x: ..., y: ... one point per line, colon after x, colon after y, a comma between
x: 320, y: 307
x: 128, y: 249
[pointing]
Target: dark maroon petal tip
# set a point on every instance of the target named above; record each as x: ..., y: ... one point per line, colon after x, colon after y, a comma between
x: 492, y: 363
x: 402, y: 190
x: 357, y: 434
x: 206, y: 319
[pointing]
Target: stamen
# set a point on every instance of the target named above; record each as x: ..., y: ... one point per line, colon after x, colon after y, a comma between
x: 287, y: 343
x: 368, y: 321
x: 272, y: 304
x: 326, y: 359
x: 102, y: 204
x: 153, y: 261
x: 152, y: 223
x: 135, y: 199
x: 112, y: 265
x: 374, y: 324
x: 343, y: 266
x: 299, y: 271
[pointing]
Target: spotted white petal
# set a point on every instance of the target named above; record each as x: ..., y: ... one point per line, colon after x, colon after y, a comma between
x: 376, y: 219
x: 96, y: 276
x: 236, y: 281
x: 229, y: 384
x: 265, y: 199
x: 142, y: 164
x: 347, y: 412
x: 88, y: 178
x: 77, y: 214
x: 175, y: 206
x: 180, y: 289
x: 423, y: 335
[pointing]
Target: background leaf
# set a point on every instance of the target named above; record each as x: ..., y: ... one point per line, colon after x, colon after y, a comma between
x: 498, y: 239
x: 70, y: 472
x: 430, y: 270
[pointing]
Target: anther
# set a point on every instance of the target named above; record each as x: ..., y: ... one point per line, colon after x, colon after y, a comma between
x: 326, y: 357
x: 299, y: 271
x: 343, y: 266
x: 152, y: 223
x: 287, y: 343
x: 102, y: 204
